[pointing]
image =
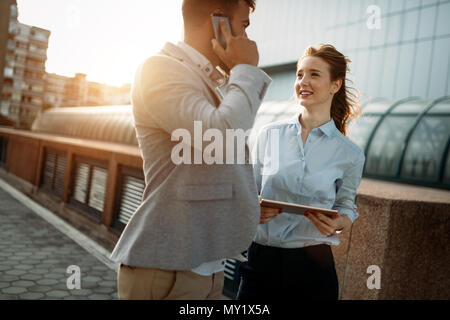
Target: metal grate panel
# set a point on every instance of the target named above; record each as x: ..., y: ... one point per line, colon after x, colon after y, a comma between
x: 98, y: 188
x: 3, y: 151
x: 132, y: 190
x: 49, y: 169
x: 81, y: 182
x: 53, y: 172
x: 60, y: 172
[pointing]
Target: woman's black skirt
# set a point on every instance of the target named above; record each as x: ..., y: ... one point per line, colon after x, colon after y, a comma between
x: 279, y: 273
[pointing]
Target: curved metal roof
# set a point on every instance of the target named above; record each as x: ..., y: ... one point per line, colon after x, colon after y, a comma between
x: 109, y: 123
x: 406, y: 140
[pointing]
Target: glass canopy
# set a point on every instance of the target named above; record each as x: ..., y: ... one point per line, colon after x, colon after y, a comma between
x: 112, y: 124
x: 406, y: 140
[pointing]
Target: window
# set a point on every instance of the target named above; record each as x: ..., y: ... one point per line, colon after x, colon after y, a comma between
x: 40, y: 36
x: 4, y: 108
x: 37, y: 88
x: 21, y: 45
x: 446, y: 178
x: 19, y: 71
x: 8, y: 72
x: 53, y: 172
x: 3, y: 151
x: 16, y: 96
x: 359, y: 131
x: 36, y: 101
x: 89, y: 186
x: 24, y: 30
x: 384, y: 153
x: 131, y: 187
x: 426, y: 149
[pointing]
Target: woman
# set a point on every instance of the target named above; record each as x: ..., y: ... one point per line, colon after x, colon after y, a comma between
x: 306, y: 160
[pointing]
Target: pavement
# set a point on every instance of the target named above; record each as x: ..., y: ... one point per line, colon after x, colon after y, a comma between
x: 36, y: 250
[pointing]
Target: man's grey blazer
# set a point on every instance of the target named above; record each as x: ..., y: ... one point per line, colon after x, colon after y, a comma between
x: 190, y: 213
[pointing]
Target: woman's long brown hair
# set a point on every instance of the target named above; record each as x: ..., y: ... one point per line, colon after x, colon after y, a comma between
x: 345, y: 105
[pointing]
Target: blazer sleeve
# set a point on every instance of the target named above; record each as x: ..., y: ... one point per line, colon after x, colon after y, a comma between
x: 168, y: 95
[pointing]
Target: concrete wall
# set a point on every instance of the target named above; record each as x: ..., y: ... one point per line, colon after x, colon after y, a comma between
x: 404, y: 230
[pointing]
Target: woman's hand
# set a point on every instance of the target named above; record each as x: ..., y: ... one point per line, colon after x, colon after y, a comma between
x: 326, y: 225
x: 268, y: 214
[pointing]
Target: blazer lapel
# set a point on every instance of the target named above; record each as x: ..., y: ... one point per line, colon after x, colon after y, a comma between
x: 175, y: 52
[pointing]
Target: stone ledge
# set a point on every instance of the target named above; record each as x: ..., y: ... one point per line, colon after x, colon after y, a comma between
x: 399, y: 191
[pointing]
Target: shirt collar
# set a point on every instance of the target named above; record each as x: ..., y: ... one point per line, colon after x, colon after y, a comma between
x: 203, y: 63
x: 329, y: 128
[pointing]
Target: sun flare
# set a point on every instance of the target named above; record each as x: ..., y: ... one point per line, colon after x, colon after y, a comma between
x: 105, y: 39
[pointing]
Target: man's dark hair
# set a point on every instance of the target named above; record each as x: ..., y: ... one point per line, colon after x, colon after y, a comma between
x: 196, y: 11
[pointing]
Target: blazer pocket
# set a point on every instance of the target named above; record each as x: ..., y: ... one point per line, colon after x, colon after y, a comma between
x: 205, y: 192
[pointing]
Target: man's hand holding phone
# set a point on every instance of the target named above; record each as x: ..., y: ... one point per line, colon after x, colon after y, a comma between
x: 239, y: 50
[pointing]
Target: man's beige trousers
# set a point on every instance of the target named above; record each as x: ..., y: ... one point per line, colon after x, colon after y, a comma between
x: 136, y: 283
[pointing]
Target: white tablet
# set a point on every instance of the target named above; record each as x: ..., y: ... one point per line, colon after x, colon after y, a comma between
x: 296, y: 208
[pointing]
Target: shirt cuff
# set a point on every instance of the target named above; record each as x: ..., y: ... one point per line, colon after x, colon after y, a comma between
x: 351, y: 214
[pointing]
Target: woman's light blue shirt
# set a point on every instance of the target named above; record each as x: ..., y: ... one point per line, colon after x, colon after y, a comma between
x: 325, y: 173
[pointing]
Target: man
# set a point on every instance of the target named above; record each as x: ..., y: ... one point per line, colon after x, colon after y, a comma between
x: 193, y: 216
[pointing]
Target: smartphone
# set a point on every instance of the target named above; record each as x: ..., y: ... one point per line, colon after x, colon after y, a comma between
x: 217, y: 32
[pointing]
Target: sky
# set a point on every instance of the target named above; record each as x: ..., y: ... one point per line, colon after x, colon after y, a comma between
x: 105, y: 39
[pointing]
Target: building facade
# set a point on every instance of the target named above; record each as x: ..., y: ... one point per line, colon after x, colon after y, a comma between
x: 5, y: 9
x: 398, y: 48
x: 24, y: 70
x: 75, y: 93
x: 25, y: 86
x: 54, y: 90
x: 61, y: 91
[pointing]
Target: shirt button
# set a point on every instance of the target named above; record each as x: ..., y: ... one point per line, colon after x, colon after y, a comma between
x: 223, y: 262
